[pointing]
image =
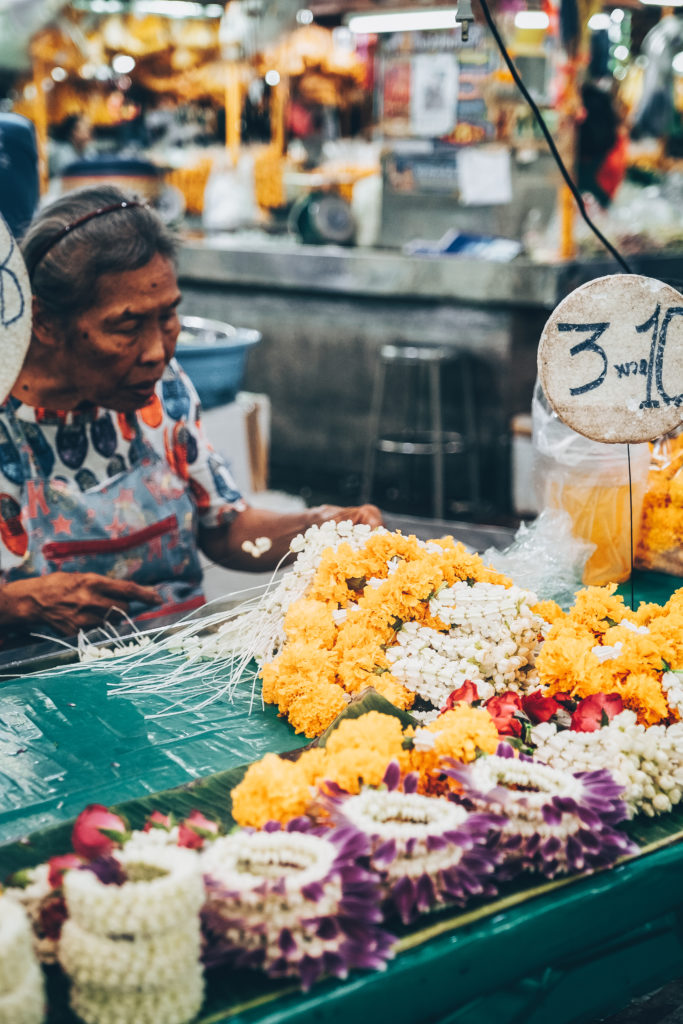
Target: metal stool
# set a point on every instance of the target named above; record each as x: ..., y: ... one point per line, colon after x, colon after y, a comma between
x: 434, y: 441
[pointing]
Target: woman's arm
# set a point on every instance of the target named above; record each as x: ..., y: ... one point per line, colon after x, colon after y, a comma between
x: 224, y: 544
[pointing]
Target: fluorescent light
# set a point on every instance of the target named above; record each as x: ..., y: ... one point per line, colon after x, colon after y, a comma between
x: 621, y: 52
x: 531, y: 20
x: 599, y: 22
x: 403, y: 21
x: 169, y: 8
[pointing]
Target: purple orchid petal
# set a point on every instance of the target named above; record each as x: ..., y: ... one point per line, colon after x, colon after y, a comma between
x: 392, y: 775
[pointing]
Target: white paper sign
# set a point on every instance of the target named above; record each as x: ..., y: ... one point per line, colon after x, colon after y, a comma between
x: 433, y: 93
x: 484, y: 176
x: 610, y: 359
x: 15, y: 311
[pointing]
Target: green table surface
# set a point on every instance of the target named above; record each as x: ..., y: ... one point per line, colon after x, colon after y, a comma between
x: 563, y: 955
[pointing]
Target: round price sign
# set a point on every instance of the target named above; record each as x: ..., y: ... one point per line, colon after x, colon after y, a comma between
x: 610, y: 359
x: 15, y: 310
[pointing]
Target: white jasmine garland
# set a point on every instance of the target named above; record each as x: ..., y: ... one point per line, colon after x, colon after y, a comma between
x: 428, y: 851
x: 672, y: 685
x: 492, y: 641
x: 16, y: 945
x: 125, y: 964
x: 158, y: 902
x: 31, y: 897
x: 293, y: 903
x: 554, y: 821
x: 25, y: 1004
x: 647, y: 762
x: 174, y: 1003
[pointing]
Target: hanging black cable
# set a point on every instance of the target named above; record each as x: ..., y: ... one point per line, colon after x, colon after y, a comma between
x: 549, y: 139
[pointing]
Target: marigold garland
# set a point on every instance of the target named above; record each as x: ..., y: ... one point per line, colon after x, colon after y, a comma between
x: 358, y: 753
x: 602, y: 647
x: 337, y: 633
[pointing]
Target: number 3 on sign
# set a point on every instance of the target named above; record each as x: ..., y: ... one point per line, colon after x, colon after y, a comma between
x: 610, y: 359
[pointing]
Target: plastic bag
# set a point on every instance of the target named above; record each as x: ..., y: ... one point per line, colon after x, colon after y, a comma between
x: 660, y: 545
x: 590, y: 481
x: 545, y: 557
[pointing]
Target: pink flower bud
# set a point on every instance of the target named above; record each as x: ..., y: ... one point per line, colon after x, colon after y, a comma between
x: 97, y: 831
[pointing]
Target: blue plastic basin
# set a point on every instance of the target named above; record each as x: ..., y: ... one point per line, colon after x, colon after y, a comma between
x: 214, y: 354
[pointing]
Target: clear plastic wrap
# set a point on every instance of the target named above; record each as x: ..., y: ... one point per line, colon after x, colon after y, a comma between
x: 590, y: 481
x: 545, y: 557
x: 660, y: 545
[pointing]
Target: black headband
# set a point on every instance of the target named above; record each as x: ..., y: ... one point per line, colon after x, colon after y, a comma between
x: 123, y: 204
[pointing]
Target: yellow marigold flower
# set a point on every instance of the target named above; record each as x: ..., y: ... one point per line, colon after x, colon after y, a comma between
x: 312, y: 712
x: 643, y: 694
x: 355, y: 767
x: 549, y: 611
x: 271, y: 790
x: 310, y: 622
x: 394, y: 691
x: 564, y: 659
x: 460, y: 734
x: 294, y: 671
x: 594, y: 606
x: 371, y: 731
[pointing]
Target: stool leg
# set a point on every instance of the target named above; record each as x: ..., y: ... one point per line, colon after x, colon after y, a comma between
x: 437, y: 439
x: 471, y: 432
x: 373, y: 431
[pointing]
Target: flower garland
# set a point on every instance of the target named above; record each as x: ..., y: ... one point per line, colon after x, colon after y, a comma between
x: 163, y: 890
x: 428, y: 852
x: 358, y: 753
x: 294, y: 904
x: 601, y: 647
x: 554, y: 822
x: 22, y: 989
x: 647, y: 762
x: 131, y: 943
x: 337, y: 634
x: 491, y: 641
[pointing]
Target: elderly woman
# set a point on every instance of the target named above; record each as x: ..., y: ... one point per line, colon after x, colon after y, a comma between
x: 108, y: 488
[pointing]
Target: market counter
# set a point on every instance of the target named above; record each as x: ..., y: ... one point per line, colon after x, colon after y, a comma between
x: 562, y: 952
x: 325, y: 312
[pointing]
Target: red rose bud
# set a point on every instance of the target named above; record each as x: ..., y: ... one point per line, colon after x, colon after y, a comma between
x: 595, y: 711
x: 195, y: 830
x: 59, y: 865
x: 97, y: 831
x: 504, y: 709
x: 539, y: 708
x: 158, y: 820
x: 467, y: 692
x: 51, y: 916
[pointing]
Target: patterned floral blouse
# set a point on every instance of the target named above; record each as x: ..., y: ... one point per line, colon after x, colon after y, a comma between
x: 88, y: 447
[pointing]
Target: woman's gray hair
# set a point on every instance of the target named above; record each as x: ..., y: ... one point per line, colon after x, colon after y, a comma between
x: 64, y: 275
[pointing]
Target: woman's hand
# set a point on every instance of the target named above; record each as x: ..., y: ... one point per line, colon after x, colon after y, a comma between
x: 68, y: 601
x: 236, y: 545
x: 369, y: 514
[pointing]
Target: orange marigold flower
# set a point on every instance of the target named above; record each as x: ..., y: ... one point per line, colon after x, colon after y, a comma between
x: 549, y: 611
x: 271, y: 790
x: 312, y: 712
x: 643, y: 694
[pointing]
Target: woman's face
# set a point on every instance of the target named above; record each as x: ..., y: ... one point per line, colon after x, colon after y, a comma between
x: 117, y: 350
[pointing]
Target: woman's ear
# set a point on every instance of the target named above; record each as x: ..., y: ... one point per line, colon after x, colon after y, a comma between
x: 45, y: 330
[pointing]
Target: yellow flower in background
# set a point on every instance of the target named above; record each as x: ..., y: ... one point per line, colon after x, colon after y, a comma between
x: 310, y: 621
